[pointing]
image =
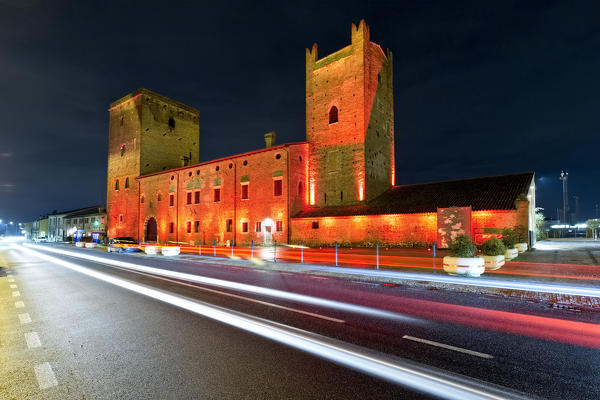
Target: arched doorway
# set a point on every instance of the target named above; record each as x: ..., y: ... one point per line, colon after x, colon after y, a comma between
x: 151, y: 230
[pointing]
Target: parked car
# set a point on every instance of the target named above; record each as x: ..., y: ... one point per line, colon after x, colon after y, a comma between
x: 123, y: 245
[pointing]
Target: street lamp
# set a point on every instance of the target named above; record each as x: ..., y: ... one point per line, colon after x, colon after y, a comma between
x: 12, y: 223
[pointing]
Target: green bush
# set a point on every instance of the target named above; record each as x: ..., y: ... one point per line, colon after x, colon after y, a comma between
x: 463, y: 247
x: 509, y: 238
x: 493, y: 247
x: 522, y: 234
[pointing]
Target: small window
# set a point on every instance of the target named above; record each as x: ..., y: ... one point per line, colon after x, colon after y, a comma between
x: 300, y: 189
x: 217, y: 168
x: 378, y: 78
x: 189, y: 227
x: 279, y: 226
x: 120, y: 218
x: 245, y: 162
x: 245, y: 192
x: 230, y: 165
x: 277, y: 187
x: 333, y: 115
x: 257, y: 226
x: 325, y: 197
x: 171, y: 200
x: 159, y: 197
x: 171, y: 123
x: 196, y: 226
x: 188, y: 198
x: 117, y: 184
x: 122, y: 120
x: 127, y: 183
x: 315, y: 225
x: 197, y: 197
x: 277, y: 156
x: 229, y: 225
x: 190, y: 173
x: 122, y: 150
x: 142, y: 200
x: 341, y: 196
x: 171, y: 227
x: 245, y: 227
x: 216, y: 194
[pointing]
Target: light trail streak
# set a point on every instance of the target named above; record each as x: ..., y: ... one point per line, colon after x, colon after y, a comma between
x: 420, y: 378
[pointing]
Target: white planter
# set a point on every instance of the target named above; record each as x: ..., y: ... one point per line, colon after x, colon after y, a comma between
x: 91, y: 245
x: 493, y: 262
x: 467, y: 266
x: 79, y: 244
x: 171, y: 251
x: 152, y: 250
x: 521, y: 247
x: 510, y: 254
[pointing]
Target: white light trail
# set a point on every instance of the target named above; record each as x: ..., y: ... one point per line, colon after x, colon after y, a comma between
x: 420, y: 378
x: 258, y: 290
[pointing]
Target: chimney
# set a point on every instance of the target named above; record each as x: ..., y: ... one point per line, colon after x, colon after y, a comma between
x: 270, y: 139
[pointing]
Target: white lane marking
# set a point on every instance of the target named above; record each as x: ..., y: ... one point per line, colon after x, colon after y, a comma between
x: 19, y: 304
x: 25, y: 318
x: 16, y: 294
x: 11, y: 279
x: 447, y: 346
x: 239, y: 297
x: 13, y: 286
x: 437, y: 383
x: 33, y: 340
x: 45, y: 375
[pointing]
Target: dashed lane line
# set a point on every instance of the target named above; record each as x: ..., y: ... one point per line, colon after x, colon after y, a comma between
x: 25, y: 318
x: 33, y: 340
x: 19, y: 304
x: 11, y: 279
x: 13, y: 286
x: 447, y: 346
x: 16, y: 294
x: 45, y: 376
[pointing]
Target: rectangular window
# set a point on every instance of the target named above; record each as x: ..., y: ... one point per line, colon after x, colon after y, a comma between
x: 171, y: 200
x: 315, y: 225
x: 279, y: 226
x: 245, y: 192
x: 188, y: 198
x: 189, y: 227
x: 120, y: 217
x: 277, y: 187
x: 229, y: 225
x: 245, y: 227
x: 216, y: 194
x: 257, y: 227
x: 196, y: 226
x: 171, y: 227
x: 197, y: 197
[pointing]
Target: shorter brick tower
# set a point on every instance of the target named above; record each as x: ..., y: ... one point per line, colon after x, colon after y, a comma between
x: 350, y: 122
x: 147, y: 133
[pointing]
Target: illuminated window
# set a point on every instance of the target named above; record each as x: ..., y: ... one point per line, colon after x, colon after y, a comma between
x: 216, y: 194
x: 127, y: 183
x: 117, y: 185
x: 196, y: 226
x: 229, y: 225
x: 245, y: 227
x: 188, y: 198
x: 257, y: 227
x: 315, y: 225
x: 245, y: 192
x: 171, y: 123
x: 171, y: 200
x: 197, y: 197
x: 277, y: 187
x: 333, y: 115
x: 189, y: 227
x: 171, y: 227
x: 279, y: 226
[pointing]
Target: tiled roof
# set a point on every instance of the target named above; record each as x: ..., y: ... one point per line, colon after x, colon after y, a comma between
x: 487, y: 193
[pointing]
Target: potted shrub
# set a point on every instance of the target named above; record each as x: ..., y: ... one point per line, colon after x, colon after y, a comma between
x: 493, y: 253
x: 523, y: 237
x: 462, y: 260
x: 510, y: 238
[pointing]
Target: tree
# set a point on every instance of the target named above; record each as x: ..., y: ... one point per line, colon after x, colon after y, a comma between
x: 593, y: 225
x: 539, y: 224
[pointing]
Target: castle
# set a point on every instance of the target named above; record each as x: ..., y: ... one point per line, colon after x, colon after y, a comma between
x: 338, y: 185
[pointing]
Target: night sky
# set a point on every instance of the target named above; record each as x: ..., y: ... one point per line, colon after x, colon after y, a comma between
x: 480, y: 88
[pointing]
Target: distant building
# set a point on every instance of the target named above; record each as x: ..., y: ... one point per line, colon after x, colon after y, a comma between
x: 337, y: 186
x: 87, y: 222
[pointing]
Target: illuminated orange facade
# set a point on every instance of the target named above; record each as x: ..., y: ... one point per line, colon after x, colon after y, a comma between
x: 332, y: 188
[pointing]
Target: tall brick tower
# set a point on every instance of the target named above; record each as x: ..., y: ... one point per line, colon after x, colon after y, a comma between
x: 147, y: 133
x: 350, y: 122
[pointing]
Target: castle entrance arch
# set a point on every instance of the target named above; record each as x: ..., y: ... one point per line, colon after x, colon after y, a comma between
x: 151, y: 230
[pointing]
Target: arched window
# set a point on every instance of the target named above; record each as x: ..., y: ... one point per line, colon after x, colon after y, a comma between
x: 127, y: 183
x: 142, y: 200
x: 171, y: 123
x: 333, y: 115
x: 159, y: 197
x: 117, y: 185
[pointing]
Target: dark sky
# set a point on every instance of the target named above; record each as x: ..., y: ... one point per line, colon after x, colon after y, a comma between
x: 480, y: 88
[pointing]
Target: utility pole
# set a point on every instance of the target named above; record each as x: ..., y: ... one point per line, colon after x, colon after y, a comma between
x: 576, y: 198
x: 564, y: 176
x: 596, y: 210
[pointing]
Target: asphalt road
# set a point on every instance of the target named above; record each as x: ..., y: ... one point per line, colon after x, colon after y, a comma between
x: 97, y: 340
